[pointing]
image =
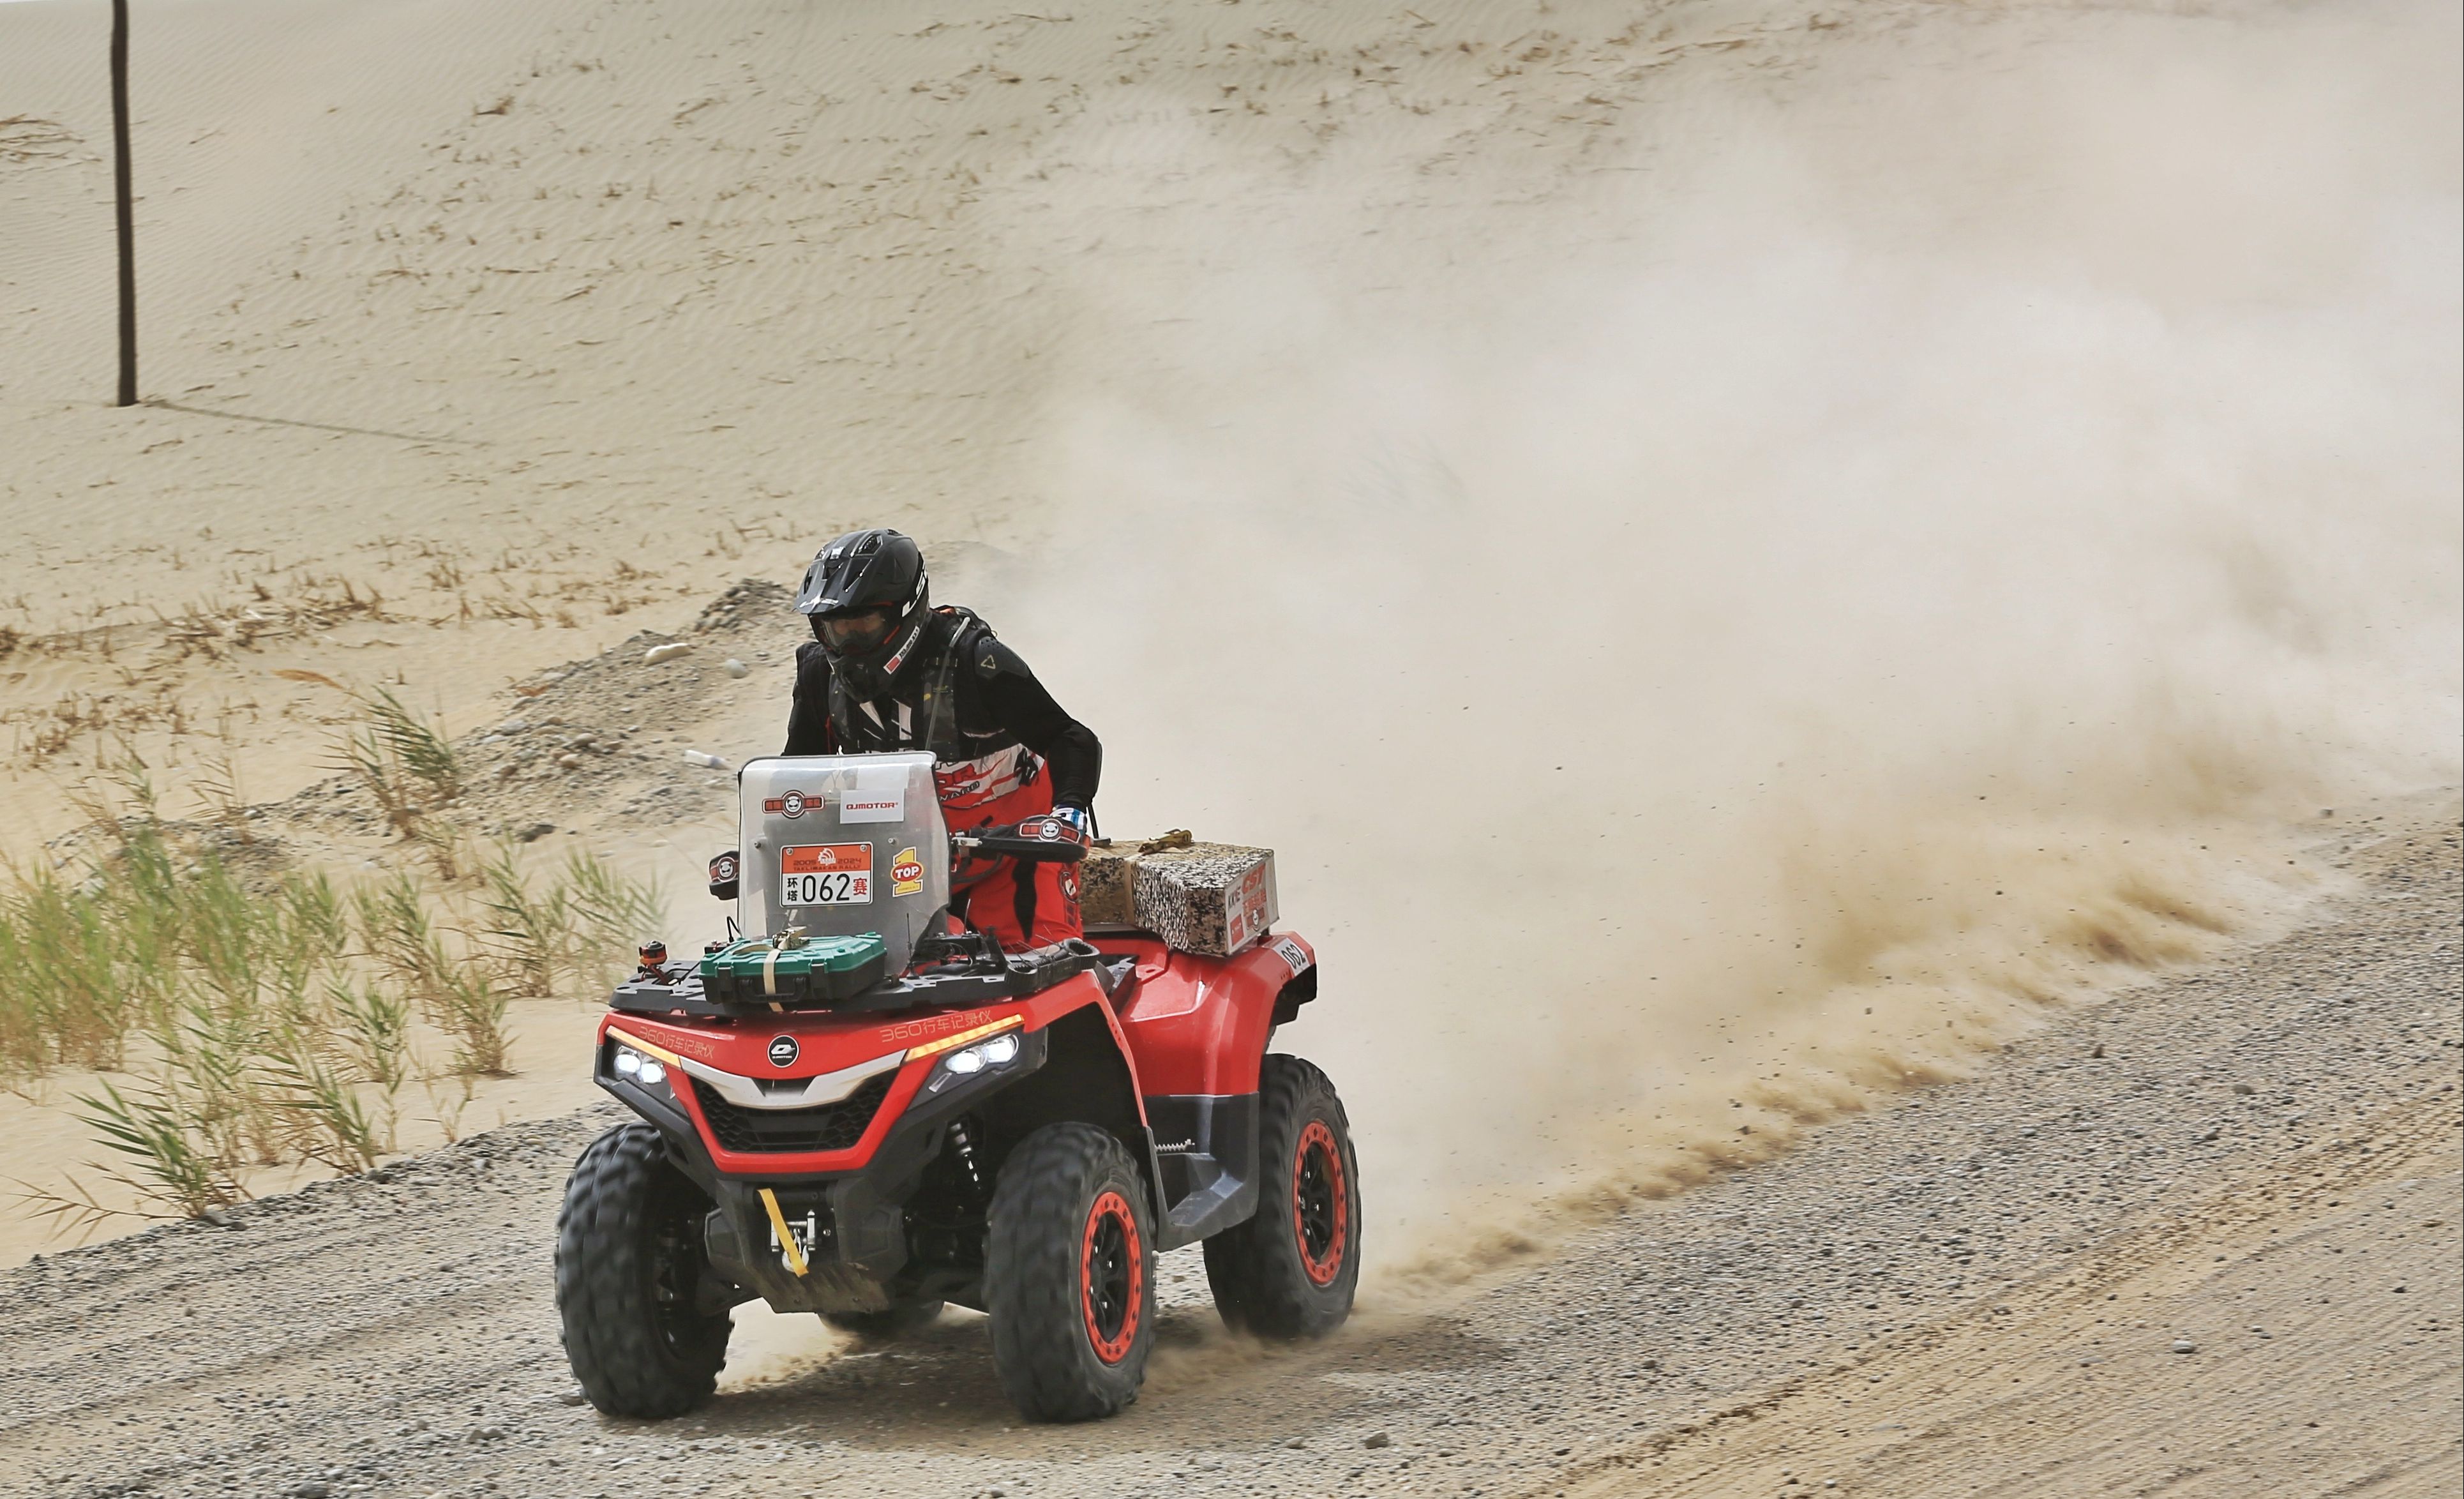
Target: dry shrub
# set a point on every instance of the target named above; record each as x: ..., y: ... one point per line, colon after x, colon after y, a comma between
x: 309, y: 605
x: 281, y: 1017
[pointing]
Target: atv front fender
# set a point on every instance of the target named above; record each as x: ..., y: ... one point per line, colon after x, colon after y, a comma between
x: 1073, y: 1065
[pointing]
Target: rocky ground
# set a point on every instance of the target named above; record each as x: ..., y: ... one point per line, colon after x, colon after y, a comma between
x: 2202, y: 1240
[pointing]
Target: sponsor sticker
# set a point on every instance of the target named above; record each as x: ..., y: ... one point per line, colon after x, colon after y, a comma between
x: 873, y: 806
x: 1294, y: 955
x: 931, y: 1025
x: 906, y: 873
x: 1246, y: 919
x: 890, y: 668
x: 791, y: 805
x: 690, y: 1045
x: 826, y: 874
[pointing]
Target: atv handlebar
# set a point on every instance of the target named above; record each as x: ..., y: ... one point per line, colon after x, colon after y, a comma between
x: 1039, y: 840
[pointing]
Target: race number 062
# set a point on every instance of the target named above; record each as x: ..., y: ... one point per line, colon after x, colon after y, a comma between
x: 841, y: 889
x: 826, y: 874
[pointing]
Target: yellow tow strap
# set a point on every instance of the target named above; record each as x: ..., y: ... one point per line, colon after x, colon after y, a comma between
x: 795, y: 1257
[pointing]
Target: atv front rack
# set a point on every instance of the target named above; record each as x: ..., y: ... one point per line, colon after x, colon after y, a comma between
x: 972, y: 971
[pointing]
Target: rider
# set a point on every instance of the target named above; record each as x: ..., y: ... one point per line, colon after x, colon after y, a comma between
x: 886, y: 670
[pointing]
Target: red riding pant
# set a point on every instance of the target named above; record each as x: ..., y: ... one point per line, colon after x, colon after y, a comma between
x: 1020, y: 905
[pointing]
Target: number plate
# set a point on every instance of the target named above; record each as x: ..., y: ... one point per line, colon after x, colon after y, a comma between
x: 826, y: 874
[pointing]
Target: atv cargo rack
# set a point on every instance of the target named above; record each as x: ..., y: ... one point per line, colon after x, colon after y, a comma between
x: 757, y: 976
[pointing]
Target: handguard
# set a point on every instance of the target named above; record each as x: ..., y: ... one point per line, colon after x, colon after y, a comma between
x: 1039, y: 840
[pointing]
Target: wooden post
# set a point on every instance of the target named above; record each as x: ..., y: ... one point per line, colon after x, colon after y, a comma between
x: 125, y: 203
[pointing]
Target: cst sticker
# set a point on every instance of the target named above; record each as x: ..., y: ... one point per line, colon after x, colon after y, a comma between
x: 1293, y: 954
x: 826, y: 874
x: 907, y: 874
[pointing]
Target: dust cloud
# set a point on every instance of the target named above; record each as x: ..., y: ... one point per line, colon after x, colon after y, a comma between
x: 1736, y: 622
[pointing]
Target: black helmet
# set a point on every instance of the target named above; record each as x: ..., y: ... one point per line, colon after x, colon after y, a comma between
x: 869, y: 600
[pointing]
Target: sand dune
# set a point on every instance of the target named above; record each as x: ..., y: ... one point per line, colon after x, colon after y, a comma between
x: 1759, y: 513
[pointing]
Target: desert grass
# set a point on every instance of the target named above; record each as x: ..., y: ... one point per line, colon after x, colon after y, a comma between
x: 400, y: 760
x: 571, y: 933
x: 262, y: 1019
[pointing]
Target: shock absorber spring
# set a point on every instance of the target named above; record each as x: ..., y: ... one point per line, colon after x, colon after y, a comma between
x: 966, y: 1149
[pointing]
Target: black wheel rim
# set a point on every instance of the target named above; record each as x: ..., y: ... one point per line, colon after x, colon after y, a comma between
x: 1108, y: 1280
x: 1321, y: 1216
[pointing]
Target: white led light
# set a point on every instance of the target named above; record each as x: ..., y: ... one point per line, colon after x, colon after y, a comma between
x: 999, y: 1051
x: 628, y: 1062
x: 652, y: 1073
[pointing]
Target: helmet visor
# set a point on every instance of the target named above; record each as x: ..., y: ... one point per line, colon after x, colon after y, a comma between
x: 856, y: 631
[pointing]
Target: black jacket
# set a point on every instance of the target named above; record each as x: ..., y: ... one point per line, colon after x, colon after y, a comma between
x: 970, y: 694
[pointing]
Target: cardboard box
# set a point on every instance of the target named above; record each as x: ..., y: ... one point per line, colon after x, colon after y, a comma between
x: 1214, y: 898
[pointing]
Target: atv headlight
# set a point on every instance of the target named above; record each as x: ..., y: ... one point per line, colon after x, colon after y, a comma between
x: 638, y: 1068
x: 998, y: 1052
x: 983, y: 1054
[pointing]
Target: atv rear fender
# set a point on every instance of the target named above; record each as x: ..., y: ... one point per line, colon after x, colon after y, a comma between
x: 1196, y: 1027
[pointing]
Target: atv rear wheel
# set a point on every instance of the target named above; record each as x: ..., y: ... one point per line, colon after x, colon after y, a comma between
x: 881, y: 1327
x: 1290, y: 1271
x: 629, y: 1266
x: 1070, y: 1274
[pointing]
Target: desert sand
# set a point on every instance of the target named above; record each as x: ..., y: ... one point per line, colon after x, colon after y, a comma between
x: 1748, y: 556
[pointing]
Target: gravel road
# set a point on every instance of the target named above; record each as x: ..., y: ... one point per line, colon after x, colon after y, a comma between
x: 1982, y: 1291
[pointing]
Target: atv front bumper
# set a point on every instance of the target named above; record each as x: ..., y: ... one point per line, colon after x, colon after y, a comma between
x: 839, y: 1212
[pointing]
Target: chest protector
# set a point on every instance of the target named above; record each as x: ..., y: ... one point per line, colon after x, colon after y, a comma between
x: 978, y: 760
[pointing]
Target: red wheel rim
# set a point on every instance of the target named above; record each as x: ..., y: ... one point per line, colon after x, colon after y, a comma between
x: 1111, y: 1277
x: 1321, y: 1203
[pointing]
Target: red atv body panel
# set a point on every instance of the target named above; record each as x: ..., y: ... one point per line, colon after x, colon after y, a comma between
x: 1184, y: 1024
x: 1199, y: 1024
x: 826, y: 1043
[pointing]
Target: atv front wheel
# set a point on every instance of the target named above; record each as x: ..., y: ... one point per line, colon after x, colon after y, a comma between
x: 1070, y: 1274
x: 1290, y: 1271
x: 629, y: 1266
x: 881, y: 1327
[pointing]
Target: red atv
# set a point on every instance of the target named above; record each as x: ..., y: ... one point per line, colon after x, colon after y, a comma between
x: 862, y: 1111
